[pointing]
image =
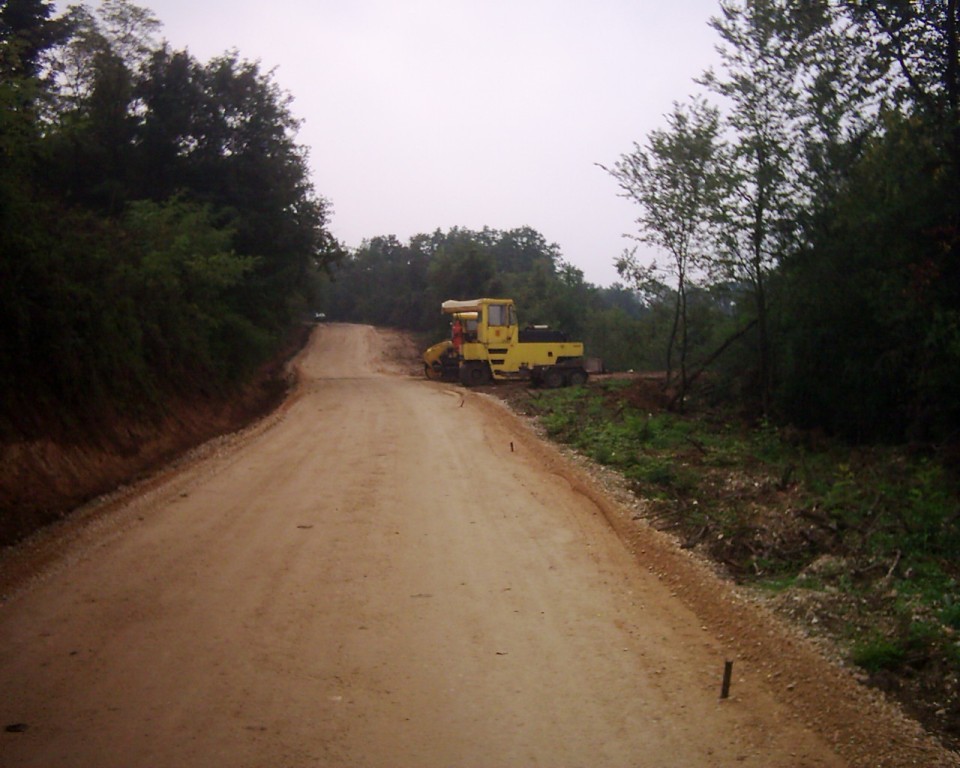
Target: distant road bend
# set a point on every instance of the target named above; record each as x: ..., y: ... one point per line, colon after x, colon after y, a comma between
x: 394, y: 572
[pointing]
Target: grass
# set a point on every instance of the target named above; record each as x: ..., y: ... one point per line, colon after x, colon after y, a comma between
x: 878, y: 653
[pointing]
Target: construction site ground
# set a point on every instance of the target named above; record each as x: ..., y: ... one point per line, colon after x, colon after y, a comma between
x: 387, y: 571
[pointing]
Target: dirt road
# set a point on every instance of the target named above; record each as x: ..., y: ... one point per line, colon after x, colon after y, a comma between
x: 387, y: 572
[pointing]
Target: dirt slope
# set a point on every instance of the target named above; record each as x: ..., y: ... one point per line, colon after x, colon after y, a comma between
x: 393, y: 572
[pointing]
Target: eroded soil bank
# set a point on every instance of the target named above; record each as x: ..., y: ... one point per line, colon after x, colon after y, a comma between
x: 43, y: 480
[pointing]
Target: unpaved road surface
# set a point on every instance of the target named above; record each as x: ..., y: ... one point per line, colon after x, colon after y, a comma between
x: 387, y: 572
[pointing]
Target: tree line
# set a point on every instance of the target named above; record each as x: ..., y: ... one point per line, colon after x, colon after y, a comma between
x: 402, y: 284
x: 159, y: 231
x: 157, y: 220
x: 817, y: 171
x: 806, y: 202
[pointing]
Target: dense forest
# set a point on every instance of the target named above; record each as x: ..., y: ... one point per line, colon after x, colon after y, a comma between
x: 157, y: 219
x: 159, y: 229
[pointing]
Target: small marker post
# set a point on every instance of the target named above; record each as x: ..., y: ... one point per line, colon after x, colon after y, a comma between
x: 727, y: 674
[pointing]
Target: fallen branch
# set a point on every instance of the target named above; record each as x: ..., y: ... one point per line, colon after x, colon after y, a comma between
x: 691, y: 542
x: 896, y: 561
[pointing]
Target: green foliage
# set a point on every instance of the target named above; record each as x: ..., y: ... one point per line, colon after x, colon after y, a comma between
x: 612, y: 334
x: 118, y: 311
x: 678, y: 182
x: 27, y: 31
x: 641, y: 445
x: 835, y: 217
x: 880, y: 506
x: 158, y: 228
x: 878, y: 653
x: 912, y: 643
x: 950, y: 613
x: 184, y: 279
x: 870, y: 322
x: 911, y: 508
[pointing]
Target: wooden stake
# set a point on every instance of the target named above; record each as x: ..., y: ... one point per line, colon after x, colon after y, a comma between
x: 727, y: 674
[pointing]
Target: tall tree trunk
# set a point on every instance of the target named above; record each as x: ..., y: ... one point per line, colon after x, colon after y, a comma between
x: 764, y: 342
x: 760, y: 230
x: 683, y: 342
x: 952, y: 76
x: 673, y: 337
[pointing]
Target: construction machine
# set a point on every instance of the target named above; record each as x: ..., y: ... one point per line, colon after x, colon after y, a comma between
x: 442, y: 360
x: 487, y: 344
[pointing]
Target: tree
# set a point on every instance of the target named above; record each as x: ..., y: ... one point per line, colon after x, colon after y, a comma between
x: 678, y: 182
x: 917, y: 45
x: 520, y: 250
x: 158, y: 227
x: 139, y: 122
x: 386, y: 283
x: 27, y: 31
x: 129, y: 30
x: 761, y: 61
x: 841, y: 93
x: 172, y: 95
x: 240, y: 154
x: 463, y: 267
x: 118, y: 31
x: 871, y: 315
x: 182, y: 279
x: 91, y: 118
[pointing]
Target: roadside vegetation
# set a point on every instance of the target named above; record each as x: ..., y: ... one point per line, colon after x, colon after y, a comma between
x: 858, y: 545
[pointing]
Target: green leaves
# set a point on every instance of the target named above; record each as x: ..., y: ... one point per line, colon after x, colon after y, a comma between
x: 402, y: 284
x: 870, y: 320
x: 158, y: 225
x: 182, y: 275
x: 679, y: 183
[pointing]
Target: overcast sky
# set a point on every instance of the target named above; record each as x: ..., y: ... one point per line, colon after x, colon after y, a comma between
x: 427, y: 114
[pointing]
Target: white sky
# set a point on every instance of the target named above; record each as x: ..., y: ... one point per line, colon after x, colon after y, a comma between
x: 427, y: 114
